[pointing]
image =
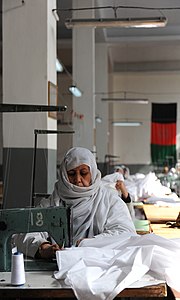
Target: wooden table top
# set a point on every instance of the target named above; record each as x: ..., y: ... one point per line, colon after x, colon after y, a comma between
x: 165, y: 231
x: 158, y: 214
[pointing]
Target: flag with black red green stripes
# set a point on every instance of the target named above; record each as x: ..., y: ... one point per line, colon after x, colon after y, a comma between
x: 163, y: 133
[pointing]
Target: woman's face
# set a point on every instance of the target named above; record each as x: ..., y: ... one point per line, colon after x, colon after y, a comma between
x: 80, y: 176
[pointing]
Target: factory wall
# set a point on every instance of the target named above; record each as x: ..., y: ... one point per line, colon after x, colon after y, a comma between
x: 132, y: 144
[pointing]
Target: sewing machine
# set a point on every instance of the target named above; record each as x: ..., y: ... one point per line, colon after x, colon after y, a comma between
x: 54, y: 220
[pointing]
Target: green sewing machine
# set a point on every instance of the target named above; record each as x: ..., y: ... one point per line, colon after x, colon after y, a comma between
x: 54, y: 220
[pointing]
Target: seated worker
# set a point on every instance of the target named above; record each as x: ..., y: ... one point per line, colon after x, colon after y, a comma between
x: 120, y: 185
x: 116, y: 180
x: 122, y: 169
x: 97, y: 211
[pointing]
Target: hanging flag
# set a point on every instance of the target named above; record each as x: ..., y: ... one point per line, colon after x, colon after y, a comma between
x: 163, y: 133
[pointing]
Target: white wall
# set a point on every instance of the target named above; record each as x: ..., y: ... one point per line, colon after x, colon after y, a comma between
x: 84, y: 77
x: 29, y: 55
x: 133, y: 144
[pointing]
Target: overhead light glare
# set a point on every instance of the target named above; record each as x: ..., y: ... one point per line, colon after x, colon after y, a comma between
x: 116, y: 22
x: 73, y: 88
x: 54, y: 11
x: 59, y: 67
x: 75, y: 91
x: 127, y: 123
x: 127, y: 100
x: 98, y: 119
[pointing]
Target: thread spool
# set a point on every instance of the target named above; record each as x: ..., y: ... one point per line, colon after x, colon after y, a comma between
x: 17, y: 269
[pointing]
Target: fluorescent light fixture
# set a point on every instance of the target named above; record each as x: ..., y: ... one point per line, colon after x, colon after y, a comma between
x: 54, y: 11
x: 127, y: 100
x: 75, y: 91
x: 115, y: 22
x: 98, y: 119
x: 127, y: 123
x: 59, y: 67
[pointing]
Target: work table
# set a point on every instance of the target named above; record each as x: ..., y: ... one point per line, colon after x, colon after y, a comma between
x: 43, y: 285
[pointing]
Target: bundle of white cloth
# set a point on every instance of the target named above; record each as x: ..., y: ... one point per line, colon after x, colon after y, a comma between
x: 100, y: 268
x: 144, y: 186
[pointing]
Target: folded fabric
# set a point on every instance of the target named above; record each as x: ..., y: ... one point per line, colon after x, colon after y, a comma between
x: 102, y: 267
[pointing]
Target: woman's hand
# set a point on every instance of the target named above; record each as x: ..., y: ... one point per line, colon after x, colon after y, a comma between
x: 47, y: 250
x: 78, y: 242
x: 120, y: 186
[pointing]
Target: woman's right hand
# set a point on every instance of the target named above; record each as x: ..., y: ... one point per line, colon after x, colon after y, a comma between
x: 120, y: 186
x: 47, y: 250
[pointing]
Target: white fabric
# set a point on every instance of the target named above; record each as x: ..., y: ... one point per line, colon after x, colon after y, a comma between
x: 113, y: 177
x: 96, y: 210
x: 166, y: 200
x: 102, y: 268
x: 144, y: 186
x: 109, y: 181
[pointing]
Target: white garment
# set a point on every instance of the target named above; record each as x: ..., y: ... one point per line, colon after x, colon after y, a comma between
x: 109, y: 181
x: 112, y: 177
x: 101, y: 268
x: 144, y: 186
x: 96, y: 210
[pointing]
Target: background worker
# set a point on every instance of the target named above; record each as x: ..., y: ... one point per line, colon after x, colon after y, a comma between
x: 116, y: 182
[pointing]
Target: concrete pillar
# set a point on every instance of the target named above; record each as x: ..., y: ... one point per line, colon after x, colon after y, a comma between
x: 101, y: 109
x: 29, y: 55
x: 84, y: 77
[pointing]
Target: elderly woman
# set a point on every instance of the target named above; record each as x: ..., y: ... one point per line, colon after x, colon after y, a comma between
x: 97, y: 211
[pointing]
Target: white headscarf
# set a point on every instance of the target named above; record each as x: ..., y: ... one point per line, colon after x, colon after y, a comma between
x: 69, y: 192
x: 77, y: 156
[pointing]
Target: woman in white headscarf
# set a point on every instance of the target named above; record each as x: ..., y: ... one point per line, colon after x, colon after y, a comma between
x: 97, y: 211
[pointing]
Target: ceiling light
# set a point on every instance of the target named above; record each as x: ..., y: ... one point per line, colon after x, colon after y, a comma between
x: 54, y: 11
x: 73, y: 88
x: 115, y: 22
x: 127, y: 123
x: 98, y: 119
x: 75, y: 91
x: 127, y: 100
x: 59, y: 66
